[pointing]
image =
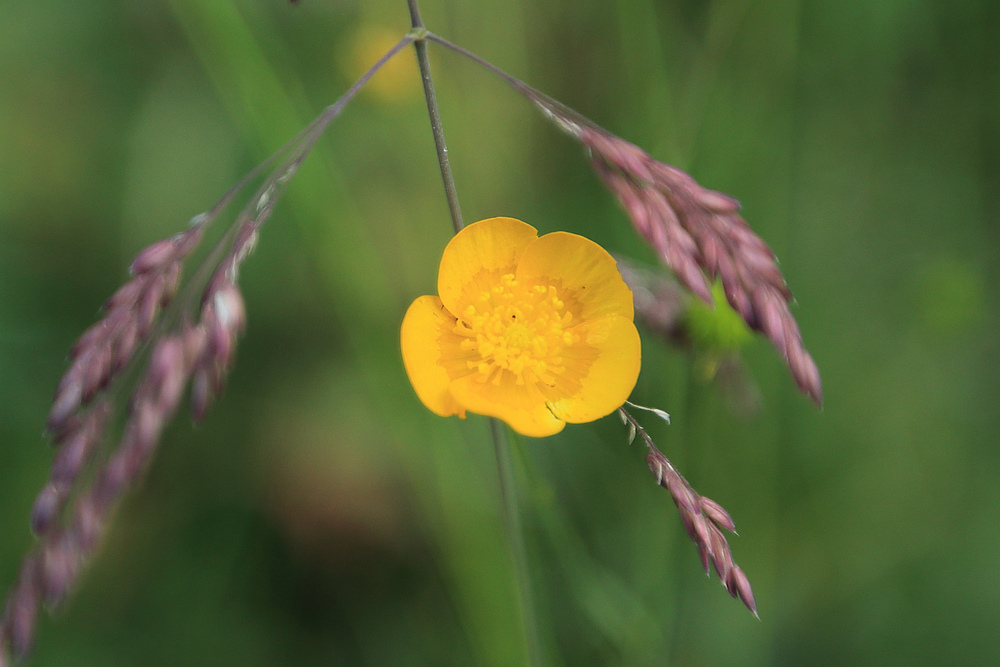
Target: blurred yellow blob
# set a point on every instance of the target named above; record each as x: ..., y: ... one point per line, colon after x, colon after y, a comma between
x: 398, y: 80
x: 534, y: 331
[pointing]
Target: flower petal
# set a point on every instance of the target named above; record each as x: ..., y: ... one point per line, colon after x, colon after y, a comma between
x: 521, y: 406
x: 476, y: 258
x: 590, y: 282
x: 425, y: 323
x: 605, y: 379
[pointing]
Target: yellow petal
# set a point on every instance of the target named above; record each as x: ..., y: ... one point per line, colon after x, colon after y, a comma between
x: 425, y: 323
x: 603, y: 381
x: 478, y: 256
x: 521, y: 406
x: 590, y: 284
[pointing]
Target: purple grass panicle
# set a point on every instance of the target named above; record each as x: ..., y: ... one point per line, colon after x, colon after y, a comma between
x: 700, y: 234
x: 702, y: 517
x: 196, y: 348
x: 107, y: 347
x: 155, y: 340
x: 73, y: 508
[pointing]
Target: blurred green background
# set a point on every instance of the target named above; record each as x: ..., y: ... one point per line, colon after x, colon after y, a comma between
x: 322, y: 516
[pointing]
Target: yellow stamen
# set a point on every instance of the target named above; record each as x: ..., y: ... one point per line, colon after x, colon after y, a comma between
x: 518, y: 331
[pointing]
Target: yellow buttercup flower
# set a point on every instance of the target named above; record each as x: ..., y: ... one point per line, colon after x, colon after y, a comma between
x: 535, y: 331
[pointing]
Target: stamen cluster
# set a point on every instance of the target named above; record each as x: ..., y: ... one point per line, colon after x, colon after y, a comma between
x: 519, y: 330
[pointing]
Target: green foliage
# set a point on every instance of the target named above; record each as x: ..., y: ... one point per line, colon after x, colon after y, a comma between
x: 718, y: 328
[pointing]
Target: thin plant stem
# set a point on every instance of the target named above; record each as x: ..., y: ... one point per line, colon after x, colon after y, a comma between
x: 303, y: 142
x: 288, y: 159
x: 515, y: 536
x: 539, y: 98
x: 420, y: 32
x: 505, y: 466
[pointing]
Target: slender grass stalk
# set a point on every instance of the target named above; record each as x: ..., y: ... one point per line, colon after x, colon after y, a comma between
x: 505, y: 466
x: 420, y: 32
x: 515, y: 536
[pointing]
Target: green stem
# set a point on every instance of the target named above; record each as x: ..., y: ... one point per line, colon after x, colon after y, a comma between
x: 515, y: 536
x: 505, y: 466
x: 432, y: 110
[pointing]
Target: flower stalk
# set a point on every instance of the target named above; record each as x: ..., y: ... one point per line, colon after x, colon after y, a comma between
x: 505, y: 467
x: 515, y: 537
x: 420, y: 34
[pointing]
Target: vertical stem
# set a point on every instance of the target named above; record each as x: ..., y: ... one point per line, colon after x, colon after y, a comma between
x: 515, y: 536
x: 432, y: 110
x: 505, y: 467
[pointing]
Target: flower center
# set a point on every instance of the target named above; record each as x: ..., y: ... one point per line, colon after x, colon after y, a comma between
x: 518, y: 330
